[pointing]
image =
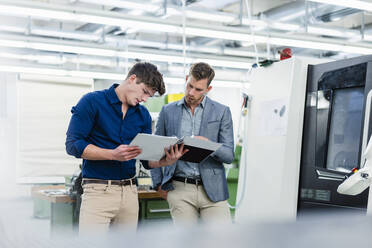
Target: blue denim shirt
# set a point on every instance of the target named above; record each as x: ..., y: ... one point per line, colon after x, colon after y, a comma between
x: 190, y: 126
x: 97, y: 119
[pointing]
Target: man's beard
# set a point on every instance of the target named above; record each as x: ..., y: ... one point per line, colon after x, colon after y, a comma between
x: 191, y: 100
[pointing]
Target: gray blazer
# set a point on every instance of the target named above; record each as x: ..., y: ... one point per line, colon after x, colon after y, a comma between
x: 217, y: 126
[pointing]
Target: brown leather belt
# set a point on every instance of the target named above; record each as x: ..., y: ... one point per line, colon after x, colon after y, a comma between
x: 124, y: 182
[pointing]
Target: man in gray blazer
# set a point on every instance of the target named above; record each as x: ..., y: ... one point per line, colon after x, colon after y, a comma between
x: 197, y: 190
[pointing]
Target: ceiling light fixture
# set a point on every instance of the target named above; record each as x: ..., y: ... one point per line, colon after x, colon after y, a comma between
x: 148, y: 56
x: 321, y: 45
x: 171, y: 10
x: 145, y: 6
x: 355, y: 4
x: 85, y: 36
x: 100, y: 75
x: 148, y: 23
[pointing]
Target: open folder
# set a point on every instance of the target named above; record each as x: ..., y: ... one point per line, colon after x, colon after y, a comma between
x: 153, y: 147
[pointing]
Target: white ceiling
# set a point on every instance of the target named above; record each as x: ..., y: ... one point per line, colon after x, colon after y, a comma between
x: 79, y: 37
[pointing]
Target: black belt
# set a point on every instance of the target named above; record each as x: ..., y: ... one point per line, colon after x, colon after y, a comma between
x: 188, y: 180
x: 123, y: 182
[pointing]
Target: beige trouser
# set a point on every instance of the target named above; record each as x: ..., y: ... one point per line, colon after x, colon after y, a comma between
x: 104, y: 206
x: 189, y: 202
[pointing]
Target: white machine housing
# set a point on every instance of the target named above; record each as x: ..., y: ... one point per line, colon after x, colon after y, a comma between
x: 270, y: 164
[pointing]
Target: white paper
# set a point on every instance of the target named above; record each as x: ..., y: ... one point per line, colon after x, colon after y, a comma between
x: 152, y: 145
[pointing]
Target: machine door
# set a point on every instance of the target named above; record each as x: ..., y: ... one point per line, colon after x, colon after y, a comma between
x: 333, y: 133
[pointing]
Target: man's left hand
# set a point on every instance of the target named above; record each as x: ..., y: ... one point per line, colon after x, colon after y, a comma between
x: 175, y: 152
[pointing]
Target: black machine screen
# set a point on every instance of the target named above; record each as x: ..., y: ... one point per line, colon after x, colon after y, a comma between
x: 345, y: 129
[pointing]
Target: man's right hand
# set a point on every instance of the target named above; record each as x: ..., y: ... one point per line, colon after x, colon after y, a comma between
x: 163, y: 193
x: 125, y: 152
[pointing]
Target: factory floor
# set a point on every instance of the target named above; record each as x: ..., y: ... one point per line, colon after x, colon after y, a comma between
x: 17, y: 221
x: 18, y: 228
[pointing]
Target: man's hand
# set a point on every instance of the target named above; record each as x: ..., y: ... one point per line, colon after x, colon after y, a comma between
x: 125, y: 152
x: 201, y: 137
x: 172, y: 155
x: 175, y: 152
x: 163, y: 193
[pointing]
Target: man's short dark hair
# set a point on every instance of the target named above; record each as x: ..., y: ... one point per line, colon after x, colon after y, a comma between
x: 201, y: 71
x: 148, y: 74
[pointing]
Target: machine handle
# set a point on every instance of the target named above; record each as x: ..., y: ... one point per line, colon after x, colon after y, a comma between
x: 367, y: 114
x: 329, y: 175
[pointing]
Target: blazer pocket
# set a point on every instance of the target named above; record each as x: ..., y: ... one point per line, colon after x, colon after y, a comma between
x: 217, y: 171
x: 213, y: 121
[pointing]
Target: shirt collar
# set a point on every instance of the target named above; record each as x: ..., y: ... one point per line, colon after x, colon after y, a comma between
x: 202, y: 104
x: 113, y: 97
x: 111, y: 94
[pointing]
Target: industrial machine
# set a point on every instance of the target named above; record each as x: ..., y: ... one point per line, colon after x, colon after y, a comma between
x: 335, y: 133
x: 305, y: 132
x: 271, y: 149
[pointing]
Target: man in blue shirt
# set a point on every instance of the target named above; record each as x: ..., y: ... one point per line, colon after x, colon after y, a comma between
x: 102, y: 125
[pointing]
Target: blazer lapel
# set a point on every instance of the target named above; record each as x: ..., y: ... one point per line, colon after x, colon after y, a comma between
x: 177, y: 115
x: 207, y: 114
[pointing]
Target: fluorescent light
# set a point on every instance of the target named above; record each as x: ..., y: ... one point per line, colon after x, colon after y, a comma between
x: 62, y: 72
x: 12, y: 29
x: 152, y: 26
x: 146, y: 23
x: 355, y: 4
x: 305, y: 44
x: 58, y: 60
x: 56, y: 47
x: 257, y: 23
x: 322, y: 46
x: 71, y: 35
x: 208, y: 16
x: 41, y: 59
x: 76, y: 16
x: 159, y: 45
x: 149, y: 23
x: 284, y: 26
x: 243, y: 53
x: 293, y: 15
x: 228, y: 18
x: 147, y: 6
x: 42, y: 13
x: 99, y: 75
x: 332, y: 32
x: 218, y: 34
x: 239, y: 64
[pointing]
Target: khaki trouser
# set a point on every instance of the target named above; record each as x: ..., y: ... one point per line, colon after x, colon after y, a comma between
x: 189, y: 202
x: 104, y: 206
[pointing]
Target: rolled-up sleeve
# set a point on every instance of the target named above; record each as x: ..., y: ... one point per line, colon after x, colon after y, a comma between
x: 81, y: 124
